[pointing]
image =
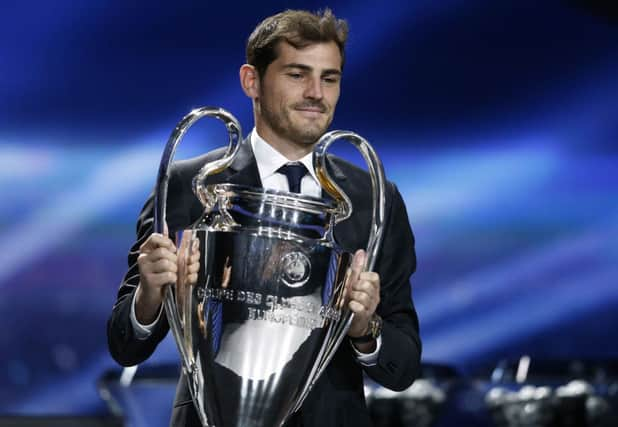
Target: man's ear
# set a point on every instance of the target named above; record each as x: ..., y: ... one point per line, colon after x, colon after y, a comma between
x: 249, y: 81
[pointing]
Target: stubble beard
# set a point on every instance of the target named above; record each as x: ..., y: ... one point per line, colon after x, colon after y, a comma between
x: 283, y: 125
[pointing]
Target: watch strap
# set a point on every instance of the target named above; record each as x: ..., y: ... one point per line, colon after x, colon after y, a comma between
x: 374, y: 331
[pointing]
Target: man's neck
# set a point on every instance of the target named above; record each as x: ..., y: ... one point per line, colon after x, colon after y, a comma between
x: 289, y: 149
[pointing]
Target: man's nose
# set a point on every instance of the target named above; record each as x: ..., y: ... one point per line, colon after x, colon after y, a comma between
x: 314, y: 88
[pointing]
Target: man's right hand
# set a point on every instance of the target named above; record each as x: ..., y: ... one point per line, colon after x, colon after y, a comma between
x: 157, y: 263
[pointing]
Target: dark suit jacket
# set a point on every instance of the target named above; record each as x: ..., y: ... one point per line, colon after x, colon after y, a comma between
x: 337, y: 398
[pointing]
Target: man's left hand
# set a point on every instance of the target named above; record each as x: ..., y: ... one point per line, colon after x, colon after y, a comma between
x: 362, y: 296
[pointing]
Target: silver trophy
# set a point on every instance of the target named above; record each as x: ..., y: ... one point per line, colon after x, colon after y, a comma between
x: 267, y: 312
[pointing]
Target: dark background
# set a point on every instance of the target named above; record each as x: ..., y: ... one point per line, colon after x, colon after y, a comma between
x: 496, y: 119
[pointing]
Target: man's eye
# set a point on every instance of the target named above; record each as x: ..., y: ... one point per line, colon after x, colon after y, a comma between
x: 330, y: 80
x: 295, y: 76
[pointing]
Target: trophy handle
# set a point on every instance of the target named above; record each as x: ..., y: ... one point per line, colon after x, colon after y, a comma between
x: 235, y: 136
x: 378, y: 182
x: 160, y: 197
x: 339, y: 329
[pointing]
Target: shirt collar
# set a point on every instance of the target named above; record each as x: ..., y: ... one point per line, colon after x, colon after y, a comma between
x: 269, y: 160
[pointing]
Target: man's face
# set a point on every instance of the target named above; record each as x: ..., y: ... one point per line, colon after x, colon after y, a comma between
x: 298, y: 93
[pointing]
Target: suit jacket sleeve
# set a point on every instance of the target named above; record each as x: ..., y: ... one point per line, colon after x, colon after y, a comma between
x: 399, y: 358
x: 182, y: 209
x: 123, y: 345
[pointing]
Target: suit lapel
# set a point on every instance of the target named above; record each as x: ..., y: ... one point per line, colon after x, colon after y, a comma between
x: 336, y: 174
x: 243, y: 170
x: 335, y: 171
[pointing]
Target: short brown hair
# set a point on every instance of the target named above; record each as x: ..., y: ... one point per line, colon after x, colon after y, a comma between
x: 299, y: 28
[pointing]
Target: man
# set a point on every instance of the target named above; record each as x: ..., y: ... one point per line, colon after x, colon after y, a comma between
x: 293, y: 74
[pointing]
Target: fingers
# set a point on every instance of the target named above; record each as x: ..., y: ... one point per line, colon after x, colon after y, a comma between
x: 160, y: 253
x: 155, y: 241
x: 227, y: 273
x: 153, y: 281
x: 360, y: 287
x: 157, y: 262
x: 358, y: 263
x: 192, y: 270
x: 364, y: 293
x: 193, y: 266
x: 195, y: 252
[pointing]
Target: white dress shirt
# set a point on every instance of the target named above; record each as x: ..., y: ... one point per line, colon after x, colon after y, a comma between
x: 268, y: 162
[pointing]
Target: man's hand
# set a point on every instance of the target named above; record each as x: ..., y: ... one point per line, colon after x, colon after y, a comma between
x: 363, y: 296
x: 158, y: 265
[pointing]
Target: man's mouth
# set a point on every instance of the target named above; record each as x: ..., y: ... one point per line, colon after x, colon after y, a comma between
x: 311, y: 107
x: 312, y: 111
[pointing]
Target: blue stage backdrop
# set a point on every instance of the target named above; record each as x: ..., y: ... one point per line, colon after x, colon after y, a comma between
x: 497, y: 121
